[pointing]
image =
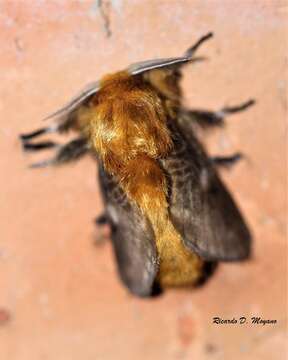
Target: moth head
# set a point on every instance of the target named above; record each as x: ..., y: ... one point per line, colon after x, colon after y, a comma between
x: 163, y: 74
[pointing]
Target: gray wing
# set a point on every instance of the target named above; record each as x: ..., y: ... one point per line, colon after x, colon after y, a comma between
x: 201, y: 207
x: 139, y: 68
x: 132, y: 238
x: 63, y: 114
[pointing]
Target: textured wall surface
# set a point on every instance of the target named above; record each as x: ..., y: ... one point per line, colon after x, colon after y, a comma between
x: 60, y: 297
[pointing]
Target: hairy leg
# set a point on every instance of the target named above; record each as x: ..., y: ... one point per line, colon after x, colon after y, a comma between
x: 208, y: 119
x: 71, y: 151
x: 226, y: 161
x: 104, y: 229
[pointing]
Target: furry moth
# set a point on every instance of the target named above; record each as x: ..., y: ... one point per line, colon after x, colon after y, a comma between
x: 169, y: 212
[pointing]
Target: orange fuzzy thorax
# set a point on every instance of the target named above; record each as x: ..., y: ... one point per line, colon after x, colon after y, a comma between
x: 126, y: 124
x: 127, y: 127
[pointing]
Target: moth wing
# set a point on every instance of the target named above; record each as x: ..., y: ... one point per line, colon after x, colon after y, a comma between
x: 147, y: 65
x: 85, y: 94
x: 201, y: 207
x: 132, y: 238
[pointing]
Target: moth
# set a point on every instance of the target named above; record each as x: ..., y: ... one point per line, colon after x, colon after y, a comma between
x: 169, y: 212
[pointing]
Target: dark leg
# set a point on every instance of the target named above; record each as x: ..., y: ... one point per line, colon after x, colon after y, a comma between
x: 226, y: 161
x: 28, y: 146
x: 73, y: 150
x: 209, y: 269
x: 241, y: 107
x: 190, y: 52
x: 103, y: 229
x: 33, y: 134
x: 38, y: 132
x: 102, y: 219
x: 66, y: 124
x: 209, y: 119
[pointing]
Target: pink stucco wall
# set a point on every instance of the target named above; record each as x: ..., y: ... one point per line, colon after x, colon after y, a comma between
x: 60, y: 297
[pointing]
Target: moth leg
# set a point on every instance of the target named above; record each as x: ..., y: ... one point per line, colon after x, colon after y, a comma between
x: 28, y: 146
x: 189, y: 52
x: 71, y: 151
x: 68, y: 122
x: 101, y: 219
x: 38, y: 132
x: 207, y: 119
x: 233, y: 109
x: 103, y: 229
x: 226, y: 161
x: 209, y: 269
